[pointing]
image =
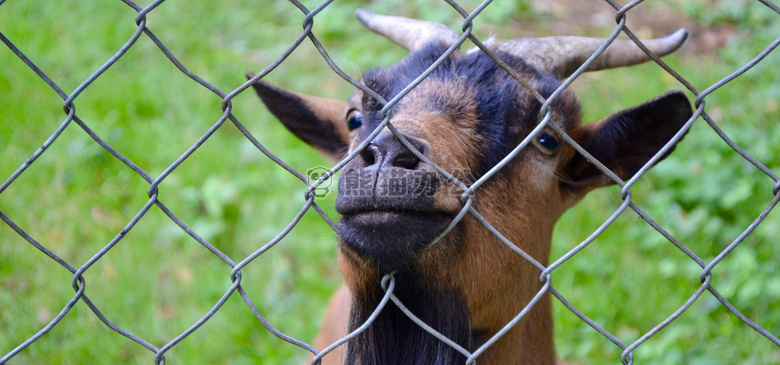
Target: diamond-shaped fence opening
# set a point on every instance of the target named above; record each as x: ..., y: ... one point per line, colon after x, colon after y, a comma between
x: 155, y: 212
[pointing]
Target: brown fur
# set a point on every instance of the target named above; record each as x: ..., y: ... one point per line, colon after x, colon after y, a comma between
x: 522, y: 201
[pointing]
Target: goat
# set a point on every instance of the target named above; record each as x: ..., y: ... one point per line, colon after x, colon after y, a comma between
x: 465, y: 117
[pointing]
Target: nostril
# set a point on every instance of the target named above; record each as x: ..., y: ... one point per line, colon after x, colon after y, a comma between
x: 369, y: 155
x: 403, y: 158
x: 406, y: 161
x: 387, y: 150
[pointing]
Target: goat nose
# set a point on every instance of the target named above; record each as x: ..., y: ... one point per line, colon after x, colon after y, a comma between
x: 388, y: 150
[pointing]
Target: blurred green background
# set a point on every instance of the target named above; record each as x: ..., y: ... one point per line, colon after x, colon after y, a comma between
x: 158, y: 281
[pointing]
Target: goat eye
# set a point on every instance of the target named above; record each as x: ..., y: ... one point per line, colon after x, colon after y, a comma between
x: 547, y: 142
x: 354, y: 120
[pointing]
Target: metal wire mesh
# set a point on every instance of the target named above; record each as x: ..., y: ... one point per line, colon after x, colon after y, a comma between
x: 143, y: 33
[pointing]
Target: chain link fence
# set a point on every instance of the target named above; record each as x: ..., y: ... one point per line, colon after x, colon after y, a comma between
x: 144, y: 34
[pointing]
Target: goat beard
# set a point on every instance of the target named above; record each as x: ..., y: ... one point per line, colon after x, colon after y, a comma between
x: 393, y: 338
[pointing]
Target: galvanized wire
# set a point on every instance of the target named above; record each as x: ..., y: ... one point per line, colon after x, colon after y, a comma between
x: 78, y: 281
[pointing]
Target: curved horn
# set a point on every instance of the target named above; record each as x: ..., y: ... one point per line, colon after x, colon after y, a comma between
x: 411, y: 34
x: 561, y: 56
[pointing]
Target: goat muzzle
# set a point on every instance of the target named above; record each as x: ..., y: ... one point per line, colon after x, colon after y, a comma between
x: 387, y: 202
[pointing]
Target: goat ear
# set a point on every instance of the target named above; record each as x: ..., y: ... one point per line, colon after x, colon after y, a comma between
x: 317, y: 121
x: 625, y: 141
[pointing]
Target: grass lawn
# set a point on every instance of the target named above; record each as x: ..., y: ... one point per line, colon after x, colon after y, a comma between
x: 157, y: 281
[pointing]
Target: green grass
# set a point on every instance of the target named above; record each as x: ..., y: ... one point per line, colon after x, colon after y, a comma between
x: 158, y: 281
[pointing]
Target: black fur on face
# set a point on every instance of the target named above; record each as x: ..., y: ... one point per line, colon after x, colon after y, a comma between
x: 505, y: 111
